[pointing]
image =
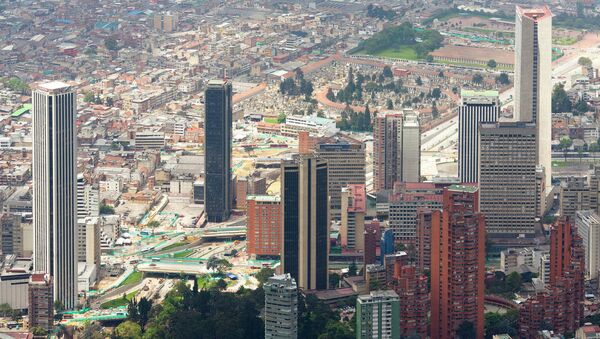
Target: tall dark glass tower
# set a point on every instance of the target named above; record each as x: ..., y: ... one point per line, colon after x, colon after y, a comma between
x: 305, y: 206
x: 217, y: 144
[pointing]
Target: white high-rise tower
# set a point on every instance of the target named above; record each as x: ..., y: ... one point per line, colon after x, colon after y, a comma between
x: 55, y: 187
x: 533, y: 78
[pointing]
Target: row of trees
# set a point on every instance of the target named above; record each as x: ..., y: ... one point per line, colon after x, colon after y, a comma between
x: 297, y: 86
x: 379, y: 12
x: 561, y: 102
x: 355, y: 121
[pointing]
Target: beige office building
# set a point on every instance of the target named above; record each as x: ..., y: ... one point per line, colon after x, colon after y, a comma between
x: 507, y: 179
x: 588, y: 227
x: 533, y: 78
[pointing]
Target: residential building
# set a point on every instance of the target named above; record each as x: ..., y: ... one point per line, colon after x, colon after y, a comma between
x: 264, y: 226
x: 281, y: 307
x: 575, y: 196
x: 426, y: 220
x: 87, y: 199
x: 507, y: 179
x: 41, y: 301
x: 588, y: 228
x: 305, y: 221
x: 88, y: 239
x: 218, y: 188
x: 411, y: 288
x: 396, y: 149
x: 346, y: 160
x: 378, y: 315
x: 354, y: 207
x: 512, y: 259
x: 533, y: 78
x: 55, y: 189
x: 476, y: 107
x: 458, y: 264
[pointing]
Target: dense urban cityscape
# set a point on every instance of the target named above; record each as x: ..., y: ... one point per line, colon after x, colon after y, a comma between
x: 327, y: 169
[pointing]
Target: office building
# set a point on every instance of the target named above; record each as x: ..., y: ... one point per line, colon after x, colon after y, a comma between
x: 575, y: 196
x: 370, y: 256
x: 281, y: 307
x: 87, y: 199
x: 378, y: 315
x: 507, y: 179
x: 14, y: 277
x: 533, y: 78
x: 387, y: 243
x: 404, y: 203
x: 245, y: 186
x: 346, y: 161
x: 512, y: 259
x: 55, y: 189
x: 411, y: 288
x: 458, y: 264
x: 396, y: 149
x: 149, y: 140
x: 41, y: 301
x: 475, y: 108
x: 218, y: 189
x: 11, y: 234
x: 305, y: 220
x: 264, y: 226
x: 354, y: 207
x: 588, y: 228
x: 561, y: 305
x: 88, y: 240
x: 166, y: 22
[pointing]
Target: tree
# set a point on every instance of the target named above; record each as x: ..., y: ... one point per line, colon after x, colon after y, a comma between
x: 418, y: 81
x: 221, y: 284
x: 106, y: 210
x: 39, y: 331
x: 429, y: 58
x: 330, y: 95
x: 581, y: 107
x: 128, y: 330
x: 111, y: 44
x: 477, y: 79
x: 496, y: 323
x: 387, y: 72
x: 88, y: 97
x: 564, y: 145
x: 492, y: 63
x: 441, y: 74
x: 513, y: 282
x: 109, y: 102
x: 389, y: 104
x: 436, y: 93
x: 334, y: 280
x: 584, y: 61
x: 144, y: 306
x: 153, y: 224
x: 560, y: 100
x: 466, y: 330
x: 132, y: 310
x: 337, y: 330
x: 92, y: 330
x: 264, y: 274
x: 594, y: 148
x: 281, y: 118
x: 434, y: 110
x: 352, y: 269
x: 502, y: 79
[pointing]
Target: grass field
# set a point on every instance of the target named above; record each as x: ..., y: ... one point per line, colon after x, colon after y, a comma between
x: 566, y: 41
x: 404, y: 52
x: 119, y: 301
x: 182, y: 254
x: 177, y: 244
x: 270, y: 120
x: 133, y: 278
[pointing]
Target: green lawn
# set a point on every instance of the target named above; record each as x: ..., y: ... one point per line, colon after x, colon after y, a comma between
x: 404, y: 52
x: 270, y: 120
x: 119, y: 301
x: 564, y: 40
x: 205, y: 282
x: 182, y: 254
x: 177, y: 244
x: 134, y: 278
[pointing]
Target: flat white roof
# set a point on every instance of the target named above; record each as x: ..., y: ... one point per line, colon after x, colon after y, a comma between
x: 53, y: 85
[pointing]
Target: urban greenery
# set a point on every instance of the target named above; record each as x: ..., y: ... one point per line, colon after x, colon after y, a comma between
x: 560, y: 100
x: 16, y: 84
x: 107, y: 209
x: 378, y: 12
x: 497, y: 323
x: 297, y: 86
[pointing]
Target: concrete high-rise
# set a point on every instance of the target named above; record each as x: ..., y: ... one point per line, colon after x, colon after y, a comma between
x: 396, y: 149
x: 458, y: 264
x: 347, y: 166
x: 352, y: 229
x: 305, y: 220
x: 378, y: 315
x: 87, y: 199
x: 588, y: 228
x: 218, y: 190
x: 475, y: 108
x: 41, y: 301
x: 533, y: 78
x: 264, y: 226
x: 55, y: 187
x: 281, y: 307
x: 507, y: 179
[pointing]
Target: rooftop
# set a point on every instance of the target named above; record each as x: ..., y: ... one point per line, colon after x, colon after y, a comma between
x: 264, y: 198
x: 463, y: 188
x: 472, y: 93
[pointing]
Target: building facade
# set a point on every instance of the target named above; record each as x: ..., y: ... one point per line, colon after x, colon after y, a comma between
x: 475, y: 108
x: 411, y: 288
x: 354, y: 207
x: 281, y: 307
x: 507, y: 179
x: 218, y: 190
x: 264, y: 225
x: 305, y: 220
x: 55, y: 189
x: 458, y: 264
x: 588, y: 227
x: 378, y: 315
x: 41, y: 301
x: 533, y: 78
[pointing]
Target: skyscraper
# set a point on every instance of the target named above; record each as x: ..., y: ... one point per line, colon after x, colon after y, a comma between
x: 217, y: 149
x: 475, y: 108
x: 458, y: 264
x: 305, y: 206
x: 588, y: 228
x: 378, y: 315
x: 507, y: 179
x: 533, y: 78
x: 55, y: 187
x: 281, y: 307
x: 396, y: 149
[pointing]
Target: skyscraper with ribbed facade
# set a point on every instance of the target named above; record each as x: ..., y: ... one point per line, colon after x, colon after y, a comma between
x: 281, y: 307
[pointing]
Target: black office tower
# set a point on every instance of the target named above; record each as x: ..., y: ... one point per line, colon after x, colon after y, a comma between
x: 217, y: 150
x: 305, y: 252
